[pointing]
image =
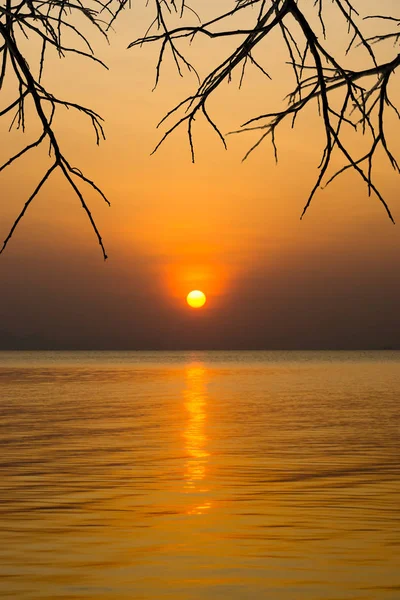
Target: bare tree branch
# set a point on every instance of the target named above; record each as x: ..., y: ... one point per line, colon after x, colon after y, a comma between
x: 47, y: 20
x: 342, y: 95
x: 319, y: 76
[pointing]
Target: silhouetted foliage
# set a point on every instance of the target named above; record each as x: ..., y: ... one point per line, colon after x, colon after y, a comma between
x: 343, y: 96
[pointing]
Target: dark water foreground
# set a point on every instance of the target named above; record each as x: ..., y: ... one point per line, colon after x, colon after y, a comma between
x: 200, y: 476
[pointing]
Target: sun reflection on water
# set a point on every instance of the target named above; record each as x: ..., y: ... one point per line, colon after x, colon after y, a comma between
x: 195, y: 396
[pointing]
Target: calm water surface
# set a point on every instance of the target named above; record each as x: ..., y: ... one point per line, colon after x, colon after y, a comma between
x: 197, y: 476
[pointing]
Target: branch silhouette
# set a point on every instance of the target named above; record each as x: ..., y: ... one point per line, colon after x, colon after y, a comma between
x: 319, y: 75
x: 47, y: 21
x: 343, y: 96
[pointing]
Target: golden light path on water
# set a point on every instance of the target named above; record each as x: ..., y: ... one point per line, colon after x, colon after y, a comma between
x: 195, y: 401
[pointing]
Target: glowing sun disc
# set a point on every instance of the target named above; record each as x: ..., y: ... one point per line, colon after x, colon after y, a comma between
x: 196, y: 299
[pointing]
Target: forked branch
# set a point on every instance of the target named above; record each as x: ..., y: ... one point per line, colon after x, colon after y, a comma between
x: 343, y: 96
x: 47, y: 21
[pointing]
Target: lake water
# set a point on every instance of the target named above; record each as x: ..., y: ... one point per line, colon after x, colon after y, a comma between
x: 200, y: 475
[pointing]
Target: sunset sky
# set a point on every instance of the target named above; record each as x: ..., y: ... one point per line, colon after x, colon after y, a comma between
x: 228, y: 228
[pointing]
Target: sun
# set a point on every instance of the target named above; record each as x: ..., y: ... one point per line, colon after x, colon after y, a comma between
x: 196, y: 299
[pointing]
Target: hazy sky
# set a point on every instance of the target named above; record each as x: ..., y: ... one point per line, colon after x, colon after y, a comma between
x: 227, y: 228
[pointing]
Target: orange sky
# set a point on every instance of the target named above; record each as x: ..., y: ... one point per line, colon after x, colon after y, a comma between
x: 228, y: 228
